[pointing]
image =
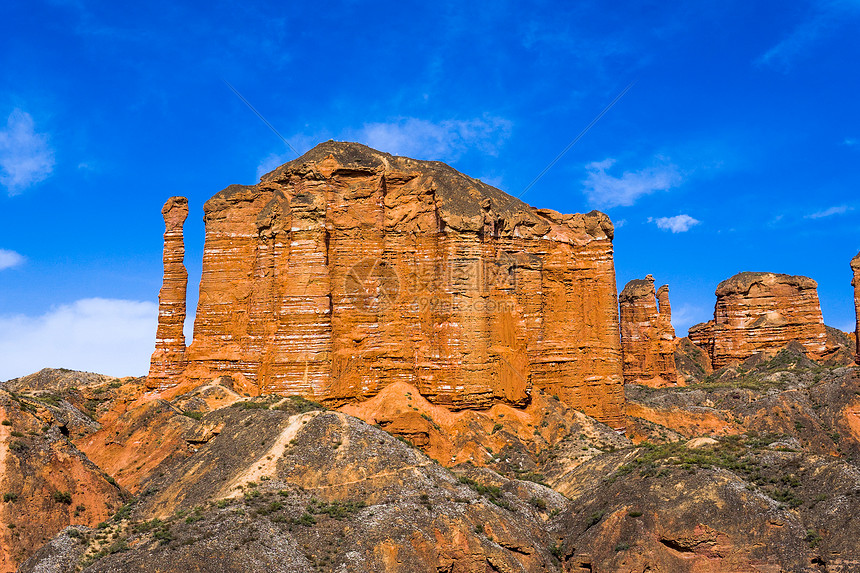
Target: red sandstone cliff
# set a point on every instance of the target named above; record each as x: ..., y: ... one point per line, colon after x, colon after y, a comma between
x: 168, y: 360
x: 855, y: 267
x: 647, y: 336
x: 348, y: 269
x: 758, y: 312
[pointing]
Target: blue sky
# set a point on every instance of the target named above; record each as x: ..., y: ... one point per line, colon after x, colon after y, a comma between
x: 738, y: 147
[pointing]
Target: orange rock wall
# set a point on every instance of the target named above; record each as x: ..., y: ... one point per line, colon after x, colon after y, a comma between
x: 168, y: 360
x: 348, y: 269
x: 762, y: 311
x: 647, y: 335
x: 855, y: 267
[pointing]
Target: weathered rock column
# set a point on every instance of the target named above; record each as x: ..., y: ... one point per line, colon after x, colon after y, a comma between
x: 665, y: 308
x: 855, y: 266
x: 647, y: 336
x: 168, y: 360
x: 757, y: 312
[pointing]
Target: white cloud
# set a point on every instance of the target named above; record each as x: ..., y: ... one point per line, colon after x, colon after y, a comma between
x: 272, y: 162
x: 108, y: 336
x: 838, y: 210
x: 850, y: 142
x: 26, y: 158
x: 825, y: 16
x: 9, y: 259
x: 686, y: 315
x: 676, y: 224
x: 605, y: 190
x: 444, y: 140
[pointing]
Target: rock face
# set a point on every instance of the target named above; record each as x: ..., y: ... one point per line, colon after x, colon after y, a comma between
x: 758, y: 312
x: 349, y: 269
x: 855, y: 267
x: 168, y: 360
x: 647, y: 336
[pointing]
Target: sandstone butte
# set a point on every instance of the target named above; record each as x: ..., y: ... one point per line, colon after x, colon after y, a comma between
x: 762, y: 312
x: 647, y: 336
x: 855, y: 282
x: 348, y: 269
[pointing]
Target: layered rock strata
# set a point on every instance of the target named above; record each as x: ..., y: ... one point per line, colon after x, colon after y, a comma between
x: 647, y: 336
x: 855, y: 282
x: 168, y: 360
x: 758, y: 312
x: 349, y: 269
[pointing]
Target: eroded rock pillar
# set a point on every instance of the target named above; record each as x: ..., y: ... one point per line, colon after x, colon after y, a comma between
x: 168, y: 360
x: 647, y: 335
x: 855, y: 266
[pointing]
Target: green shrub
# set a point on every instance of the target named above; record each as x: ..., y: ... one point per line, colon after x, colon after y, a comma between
x: 538, y: 503
x: 813, y: 538
x: 63, y: 497
x: 336, y: 509
x: 306, y: 519
x: 594, y: 518
x: 10, y: 497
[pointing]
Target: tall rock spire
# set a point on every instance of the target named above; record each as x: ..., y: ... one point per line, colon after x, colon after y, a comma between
x: 647, y: 336
x: 855, y: 266
x: 168, y: 360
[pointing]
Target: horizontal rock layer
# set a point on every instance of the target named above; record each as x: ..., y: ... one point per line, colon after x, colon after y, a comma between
x: 349, y: 269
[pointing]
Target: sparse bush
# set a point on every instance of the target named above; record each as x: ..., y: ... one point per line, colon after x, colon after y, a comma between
x: 538, y: 503
x: 594, y: 518
x: 635, y: 514
x: 194, y: 415
x: 10, y: 497
x: 336, y: 509
x: 813, y: 538
x: 63, y: 497
x: 622, y: 547
x: 306, y: 519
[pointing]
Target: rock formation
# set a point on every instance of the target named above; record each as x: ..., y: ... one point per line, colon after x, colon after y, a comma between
x: 647, y: 336
x: 168, y: 360
x: 758, y: 312
x: 855, y: 267
x: 349, y: 269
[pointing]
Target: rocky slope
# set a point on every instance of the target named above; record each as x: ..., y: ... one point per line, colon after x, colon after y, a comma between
x: 755, y: 469
x: 348, y: 269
